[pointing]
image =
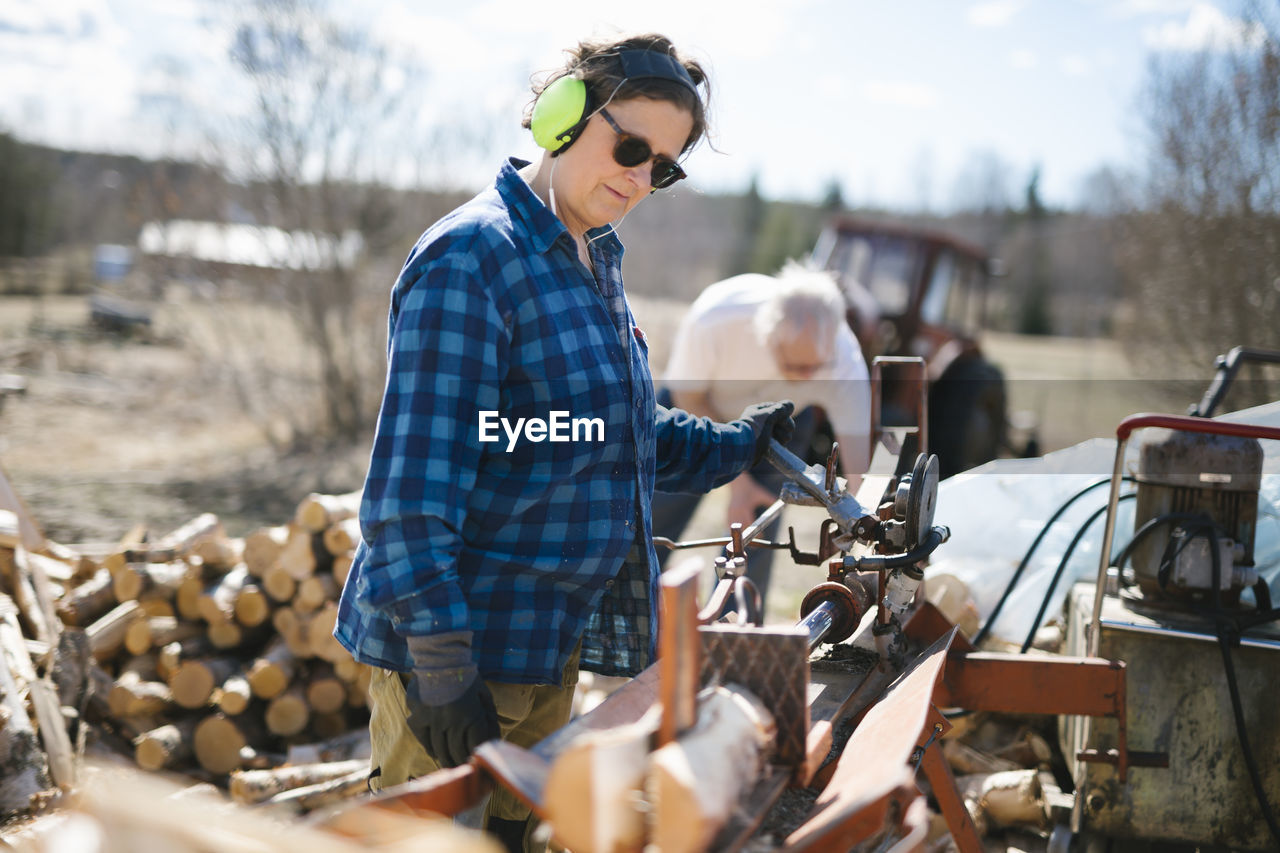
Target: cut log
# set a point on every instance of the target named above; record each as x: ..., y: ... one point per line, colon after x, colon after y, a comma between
x: 53, y: 733
x: 292, y: 627
x: 1008, y: 798
x: 218, y: 603
x: 341, y: 568
x: 173, y: 654
x: 314, y: 592
x: 217, y: 743
x: 180, y: 541
x: 31, y: 569
x: 288, y: 713
x: 271, y: 673
x: 24, y: 771
x: 298, y: 559
x: 131, y: 696
x: 262, y: 548
x: 106, y: 634
x: 148, y: 580
x: 317, y: 511
x: 233, y: 697
x: 256, y: 786
x: 87, y: 601
x: 322, y: 794
x: 156, y: 632
x: 320, y: 634
x: 353, y: 743
x: 348, y: 669
x: 217, y: 551
x: 594, y: 794
x: 225, y: 634
x: 279, y: 584
x: 341, y: 537
x: 65, y: 569
x: 187, y: 599
x: 728, y: 745
x: 252, y: 608
x: 326, y: 693
x: 132, y: 546
x: 157, y: 608
x: 165, y: 747
x: 28, y: 601
x: 194, y: 680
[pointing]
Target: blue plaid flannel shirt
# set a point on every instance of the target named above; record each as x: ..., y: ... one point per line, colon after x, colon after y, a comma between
x: 539, y: 546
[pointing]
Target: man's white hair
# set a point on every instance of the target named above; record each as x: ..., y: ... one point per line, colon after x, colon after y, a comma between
x: 806, y: 303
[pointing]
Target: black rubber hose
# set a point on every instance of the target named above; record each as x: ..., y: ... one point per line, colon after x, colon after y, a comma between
x: 1242, y: 733
x: 1026, y: 558
x: 1057, y: 574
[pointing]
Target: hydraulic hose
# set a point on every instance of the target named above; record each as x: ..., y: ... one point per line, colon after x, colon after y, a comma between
x: 1026, y: 559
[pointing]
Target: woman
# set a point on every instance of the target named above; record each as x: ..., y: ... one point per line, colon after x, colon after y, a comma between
x: 495, y: 561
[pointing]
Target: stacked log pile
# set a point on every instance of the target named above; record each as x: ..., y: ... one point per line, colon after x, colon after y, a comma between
x: 193, y: 653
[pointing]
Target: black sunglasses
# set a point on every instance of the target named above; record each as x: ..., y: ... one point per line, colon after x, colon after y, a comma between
x: 630, y: 151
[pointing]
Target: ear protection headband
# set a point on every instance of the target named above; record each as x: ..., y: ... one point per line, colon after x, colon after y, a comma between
x: 563, y: 107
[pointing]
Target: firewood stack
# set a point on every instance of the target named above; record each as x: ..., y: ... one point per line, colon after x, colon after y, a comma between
x: 193, y: 653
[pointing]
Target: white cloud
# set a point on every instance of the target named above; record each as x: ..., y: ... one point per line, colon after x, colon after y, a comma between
x: 1023, y: 59
x: 1205, y: 28
x: 1075, y: 65
x: 1134, y: 8
x: 994, y: 13
x: 902, y: 94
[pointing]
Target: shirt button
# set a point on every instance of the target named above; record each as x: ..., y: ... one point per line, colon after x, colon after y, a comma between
x: 608, y: 584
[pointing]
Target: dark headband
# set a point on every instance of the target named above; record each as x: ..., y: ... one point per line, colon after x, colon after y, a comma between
x: 653, y: 64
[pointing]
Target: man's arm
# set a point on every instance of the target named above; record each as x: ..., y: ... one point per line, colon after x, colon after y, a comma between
x: 695, y: 402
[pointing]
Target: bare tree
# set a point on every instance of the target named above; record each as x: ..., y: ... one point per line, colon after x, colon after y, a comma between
x: 316, y: 155
x: 1201, y: 255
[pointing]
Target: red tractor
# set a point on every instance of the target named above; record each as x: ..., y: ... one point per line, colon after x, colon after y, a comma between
x: 918, y: 292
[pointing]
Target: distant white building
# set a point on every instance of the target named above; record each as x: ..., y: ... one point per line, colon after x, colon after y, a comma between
x: 241, y: 245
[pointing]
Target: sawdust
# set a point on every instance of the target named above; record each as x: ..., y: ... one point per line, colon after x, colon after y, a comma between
x: 794, y: 806
x: 845, y: 658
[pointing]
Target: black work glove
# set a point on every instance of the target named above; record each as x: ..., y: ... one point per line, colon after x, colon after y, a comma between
x: 451, y: 710
x: 768, y: 421
x: 452, y: 731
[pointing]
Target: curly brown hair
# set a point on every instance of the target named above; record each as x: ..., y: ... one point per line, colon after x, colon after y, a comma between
x: 595, y: 62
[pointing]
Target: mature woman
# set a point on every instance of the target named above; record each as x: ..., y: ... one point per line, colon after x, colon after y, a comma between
x: 506, y: 515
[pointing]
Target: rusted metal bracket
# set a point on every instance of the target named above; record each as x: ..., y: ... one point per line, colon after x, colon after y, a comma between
x: 943, y: 783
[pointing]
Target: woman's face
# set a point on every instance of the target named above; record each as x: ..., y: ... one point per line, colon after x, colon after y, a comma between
x: 591, y: 188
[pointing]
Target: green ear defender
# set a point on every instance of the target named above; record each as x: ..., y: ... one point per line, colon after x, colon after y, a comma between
x: 562, y: 109
x: 558, y: 113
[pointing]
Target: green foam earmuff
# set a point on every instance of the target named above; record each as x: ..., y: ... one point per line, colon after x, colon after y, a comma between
x: 558, y: 112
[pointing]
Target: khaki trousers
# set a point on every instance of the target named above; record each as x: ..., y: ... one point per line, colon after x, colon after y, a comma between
x: 527, y: 713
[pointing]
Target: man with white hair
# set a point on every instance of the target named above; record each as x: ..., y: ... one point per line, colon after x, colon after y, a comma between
x: 759, y: 337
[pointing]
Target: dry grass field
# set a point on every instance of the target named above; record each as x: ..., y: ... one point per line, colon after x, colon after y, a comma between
x: 115, y: 432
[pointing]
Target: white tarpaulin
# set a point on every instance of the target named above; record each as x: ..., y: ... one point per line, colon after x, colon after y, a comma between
x: 996, y: 511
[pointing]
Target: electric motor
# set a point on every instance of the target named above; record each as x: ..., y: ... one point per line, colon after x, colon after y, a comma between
x: 1200, y: 482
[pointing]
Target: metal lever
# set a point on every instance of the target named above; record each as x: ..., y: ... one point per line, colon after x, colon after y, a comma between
x: 840, y: 505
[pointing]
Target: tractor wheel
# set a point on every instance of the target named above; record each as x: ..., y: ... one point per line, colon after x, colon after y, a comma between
x: 967, y: 416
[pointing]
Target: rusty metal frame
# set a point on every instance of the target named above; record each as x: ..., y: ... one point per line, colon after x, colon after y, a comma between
x: 943, y: 783
x: 922, y: 409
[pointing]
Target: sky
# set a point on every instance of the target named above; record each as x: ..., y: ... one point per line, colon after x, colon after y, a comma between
x: 901, y: 103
